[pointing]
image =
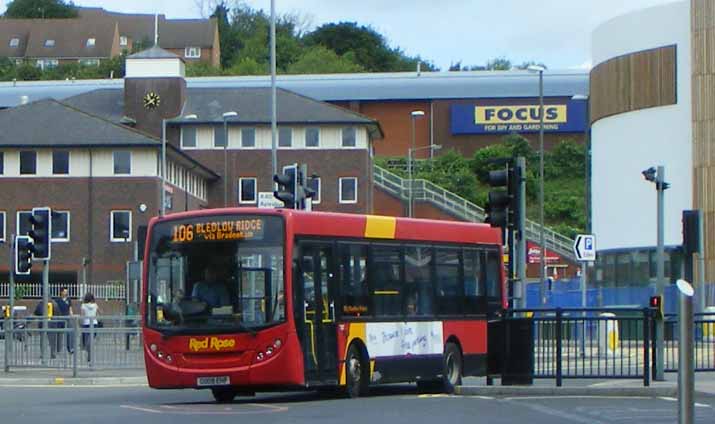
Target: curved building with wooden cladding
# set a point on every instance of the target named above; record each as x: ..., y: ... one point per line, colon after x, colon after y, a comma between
x: 641, y: 114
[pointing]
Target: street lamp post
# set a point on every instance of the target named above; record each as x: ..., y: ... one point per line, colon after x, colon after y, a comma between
x: 542, y: 261
x: 410, y: 152
x: 226, y: 117
x: 163, y: 167
x: 413, y: 115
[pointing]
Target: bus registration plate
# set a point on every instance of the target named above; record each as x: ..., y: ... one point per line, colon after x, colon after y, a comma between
x: 213, y: 381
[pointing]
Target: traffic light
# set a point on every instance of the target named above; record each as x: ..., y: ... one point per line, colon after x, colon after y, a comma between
x: 287, y: 186
x: 304, y: 194
x: 498, y: 200
x: 23, y: 255
x: 656, y: 305
x: 41, y: 232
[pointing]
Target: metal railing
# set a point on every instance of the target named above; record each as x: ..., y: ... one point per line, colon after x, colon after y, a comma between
x: 704, y: 346
x: 591, y: 343
x: 426, y: 191
x: 76, y: 290
x: 115, y: 342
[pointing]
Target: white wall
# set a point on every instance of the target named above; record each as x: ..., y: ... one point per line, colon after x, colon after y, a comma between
x: 148, y: 68
x: 144, y: 163
x: 624, y: 204
x: 330, y: 138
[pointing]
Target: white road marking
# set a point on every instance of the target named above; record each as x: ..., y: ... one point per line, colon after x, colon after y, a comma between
x: 136, y: 408
x: 575, y: 397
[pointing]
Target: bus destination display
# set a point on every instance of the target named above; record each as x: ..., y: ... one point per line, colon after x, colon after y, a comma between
x: 219, y: 230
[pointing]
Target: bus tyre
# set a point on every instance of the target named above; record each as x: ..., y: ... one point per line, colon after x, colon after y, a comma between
x: 452, y: 367
x: 356, y: 372
x: 223, y: 394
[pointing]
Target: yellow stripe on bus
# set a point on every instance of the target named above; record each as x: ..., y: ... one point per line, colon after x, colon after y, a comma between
x: 380, y: 227
x: 355, y: 331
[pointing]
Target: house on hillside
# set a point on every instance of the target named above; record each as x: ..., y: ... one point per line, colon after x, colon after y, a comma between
x: 98, y: 35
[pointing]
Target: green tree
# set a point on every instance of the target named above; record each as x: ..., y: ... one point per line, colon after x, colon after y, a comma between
x: 451, y: 171
x: 202, y: 69
x: 40, y: 9
x: 499, y: 64
x: 227, y: 38
x: 565, y: 160
x: 320, y: 60
x: 248, y: 66
x: 369, y: 47
x: 28, y: 72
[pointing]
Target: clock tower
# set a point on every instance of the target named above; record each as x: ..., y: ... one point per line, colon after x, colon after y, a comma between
x: 154, y: 88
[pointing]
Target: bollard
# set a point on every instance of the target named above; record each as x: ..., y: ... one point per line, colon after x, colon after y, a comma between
x: 608, y: 339
x: 8, y: 341
x: 686, y: 384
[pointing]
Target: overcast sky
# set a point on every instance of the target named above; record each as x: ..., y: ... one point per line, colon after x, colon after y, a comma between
x: 555, y: 32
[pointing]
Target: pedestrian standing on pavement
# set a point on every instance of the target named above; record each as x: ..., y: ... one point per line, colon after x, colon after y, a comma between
x: 89, y: 311
x: 64, y: 311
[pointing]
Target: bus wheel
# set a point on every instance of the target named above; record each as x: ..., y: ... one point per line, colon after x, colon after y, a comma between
x: 356, y: 371
x: 223, y: 394
x: 452, y: 367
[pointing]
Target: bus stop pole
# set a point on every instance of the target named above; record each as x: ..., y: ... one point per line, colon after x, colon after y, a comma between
x: 686, y: 385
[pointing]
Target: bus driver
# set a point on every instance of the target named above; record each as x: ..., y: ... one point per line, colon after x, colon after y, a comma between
x: 211, y: 290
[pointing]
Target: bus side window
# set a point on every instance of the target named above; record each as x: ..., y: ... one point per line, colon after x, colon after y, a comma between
x: 353, y: 278
x: 419, y: 287
x: 473, y: 286
x: 385, y: 276
x: 493, y: 276
x: 448, y: 285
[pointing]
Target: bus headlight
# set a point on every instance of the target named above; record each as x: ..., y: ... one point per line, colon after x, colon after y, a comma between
x: 277, y: 344
x: 260, y: 356
x: 152, y: 347
x: 269, y: 351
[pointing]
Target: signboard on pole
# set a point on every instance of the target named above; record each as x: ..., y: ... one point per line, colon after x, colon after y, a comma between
x: 584, y: 247
x: 266, y: 200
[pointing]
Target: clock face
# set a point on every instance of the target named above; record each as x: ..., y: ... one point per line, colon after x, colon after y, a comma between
x: 151, y: 100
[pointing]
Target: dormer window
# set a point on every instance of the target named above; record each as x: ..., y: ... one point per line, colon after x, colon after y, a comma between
x: 14, y: 42
x: 50, y: 43
x: 123, y: 41
x: 91, y: 42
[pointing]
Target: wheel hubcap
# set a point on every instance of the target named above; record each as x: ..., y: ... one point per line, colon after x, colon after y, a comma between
x: 451, y: 369
x: 355, y: 369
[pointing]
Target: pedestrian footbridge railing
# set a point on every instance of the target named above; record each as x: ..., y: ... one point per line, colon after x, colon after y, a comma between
x: 426, y: 191
x: 115, y: 342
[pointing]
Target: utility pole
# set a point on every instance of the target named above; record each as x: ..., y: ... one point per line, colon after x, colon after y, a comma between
x: 521, y: 241
x: 660, y: 281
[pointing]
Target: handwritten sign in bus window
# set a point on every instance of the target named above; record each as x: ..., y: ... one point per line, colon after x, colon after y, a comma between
x: 218, y: 230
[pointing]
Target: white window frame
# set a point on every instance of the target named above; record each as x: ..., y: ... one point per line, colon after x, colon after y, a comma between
x: 123, y: 41
x: 292, y: 144
x: 69, y: 222
x: 320, y: 195
x: 342, y: 145
x: 196, y: 138
x: 49, y: 43
x: 340, y: 190
x: 88, y: 62
x: 130, y: 163
x: 91, y: 42
x: 17, y: 222
x: 192, y: 52
x: 69, y: 163
x: 240, y: 191
x: 111, y: 226
x: 213, y: 137
x: 19, y: 163
x: 4, y: 226
x: 305, y: 138
x: 14, y: 42
x: 255, y: 141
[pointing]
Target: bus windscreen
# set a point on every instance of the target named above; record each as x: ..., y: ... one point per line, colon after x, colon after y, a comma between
x: 216, y: 274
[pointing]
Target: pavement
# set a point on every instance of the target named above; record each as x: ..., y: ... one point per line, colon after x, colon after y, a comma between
x: 472, y: 386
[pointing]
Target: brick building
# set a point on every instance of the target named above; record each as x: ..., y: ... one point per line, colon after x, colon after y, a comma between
x: 97, y: 34
x: 96, y: 159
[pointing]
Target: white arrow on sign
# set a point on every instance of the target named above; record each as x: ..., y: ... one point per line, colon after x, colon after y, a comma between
x: 585, y: 247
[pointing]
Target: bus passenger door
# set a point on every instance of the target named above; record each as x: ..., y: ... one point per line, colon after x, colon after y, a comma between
x: 317, y: 280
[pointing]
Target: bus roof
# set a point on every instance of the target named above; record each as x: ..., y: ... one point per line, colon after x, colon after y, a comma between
x: 333, y: 224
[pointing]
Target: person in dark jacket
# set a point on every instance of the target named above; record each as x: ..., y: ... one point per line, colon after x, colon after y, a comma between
x: 63, y: 312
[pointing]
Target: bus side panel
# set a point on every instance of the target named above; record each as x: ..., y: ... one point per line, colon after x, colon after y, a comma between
x: 472, y: 337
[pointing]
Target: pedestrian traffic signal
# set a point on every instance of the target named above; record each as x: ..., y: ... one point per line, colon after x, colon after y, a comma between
x: 656, y: 305
x: 23, y: 255
x: 41, y: 220
x: 287, y: 186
